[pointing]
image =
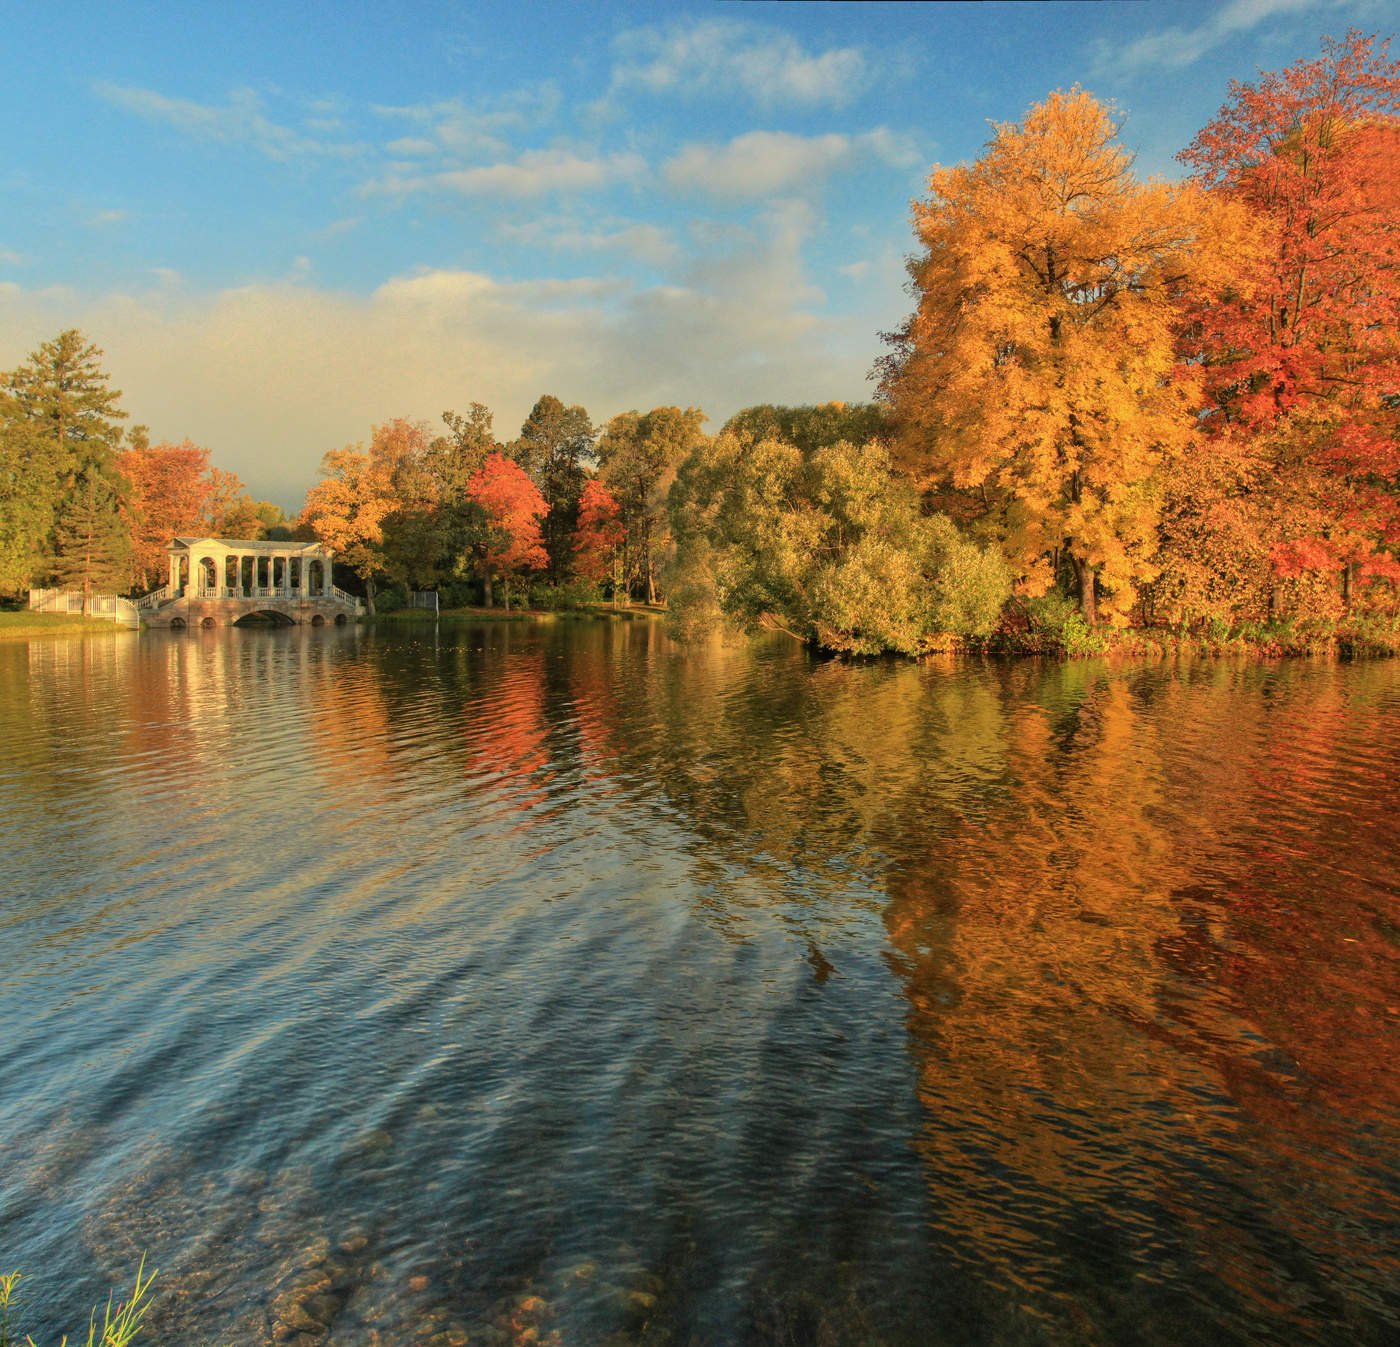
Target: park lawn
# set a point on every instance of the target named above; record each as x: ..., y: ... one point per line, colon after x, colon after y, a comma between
x: 21, y: 626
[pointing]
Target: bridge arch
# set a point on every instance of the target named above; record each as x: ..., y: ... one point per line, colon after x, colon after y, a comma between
x: 265, y: 617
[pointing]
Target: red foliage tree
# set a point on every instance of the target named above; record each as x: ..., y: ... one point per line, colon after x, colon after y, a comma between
x: 1302, y: 353
x: 511, y: 540
x: 600, y: 534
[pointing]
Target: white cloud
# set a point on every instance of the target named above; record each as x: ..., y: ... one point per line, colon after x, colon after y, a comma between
x: 270, y: 376
x: 761, y: 163
x: 10, y: 258
x: 719, y: 56
x: 412, y: 145
x: 107, y: 217
x: 533, y: 173
x: 646, y: 243
x: 241, y: 121
x: 1176, y: 47
x: 458, y: 130
x: 337, y: 227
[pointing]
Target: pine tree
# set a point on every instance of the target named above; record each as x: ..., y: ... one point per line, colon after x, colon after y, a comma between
x: 92, y: 544
x: 28, y: 496
x: 70, y: 416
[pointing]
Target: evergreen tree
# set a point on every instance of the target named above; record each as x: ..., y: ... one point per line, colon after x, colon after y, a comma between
x: 70, y: 418
x: 92, y: 544
x: 28, y: 496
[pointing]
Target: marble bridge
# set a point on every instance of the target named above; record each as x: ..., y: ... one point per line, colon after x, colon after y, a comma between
x: 218, y: 582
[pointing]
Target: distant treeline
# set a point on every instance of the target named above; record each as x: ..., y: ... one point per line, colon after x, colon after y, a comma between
x: 1117, y: 403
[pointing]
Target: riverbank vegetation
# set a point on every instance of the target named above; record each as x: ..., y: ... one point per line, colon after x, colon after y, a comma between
x: 1124, y: 414
x: 24, y: 625
x: 120, y: 1325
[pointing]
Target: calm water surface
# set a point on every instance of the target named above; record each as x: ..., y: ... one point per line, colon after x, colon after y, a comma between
x: 516, y: 985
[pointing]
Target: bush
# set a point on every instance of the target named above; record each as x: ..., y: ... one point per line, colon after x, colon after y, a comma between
x: 574, y: 596
x: 460, y: 594
x: 390, y: 599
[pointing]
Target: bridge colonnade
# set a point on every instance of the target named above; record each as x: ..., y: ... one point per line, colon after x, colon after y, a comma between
x: 234, y: 569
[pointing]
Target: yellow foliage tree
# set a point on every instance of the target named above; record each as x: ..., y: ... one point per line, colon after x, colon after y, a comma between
x: 346, y: 511
x: 1038, y: 371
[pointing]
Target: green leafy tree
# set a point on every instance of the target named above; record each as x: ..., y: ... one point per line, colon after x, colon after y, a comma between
x: 812, y: 427
x: 453, y: 460
x: 556, y: 449
x: 638, y: 455
x: 829, y: 546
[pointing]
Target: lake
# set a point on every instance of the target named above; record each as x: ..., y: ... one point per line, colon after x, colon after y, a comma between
x: 510, y: 984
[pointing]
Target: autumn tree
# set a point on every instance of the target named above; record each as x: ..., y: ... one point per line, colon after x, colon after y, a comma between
x: 169, y: 497
x: 1037, y: 372
x: 230, y: 512
x: 637, y: 458
x: 400, y: 451
x: 346, y: 512
x: 556, y: 449
x: 1300, y: 351
x: 451, y: 461
x: 511, y: 541
x: 600, y: 538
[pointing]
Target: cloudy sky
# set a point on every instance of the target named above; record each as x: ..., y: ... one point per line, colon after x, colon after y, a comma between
x: 284, y: 223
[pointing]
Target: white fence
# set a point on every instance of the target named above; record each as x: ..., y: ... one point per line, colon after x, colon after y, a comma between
x: 423, y: 598
x: 109, y: 607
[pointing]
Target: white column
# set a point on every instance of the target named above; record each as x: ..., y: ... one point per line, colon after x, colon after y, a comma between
x: 174, y: 571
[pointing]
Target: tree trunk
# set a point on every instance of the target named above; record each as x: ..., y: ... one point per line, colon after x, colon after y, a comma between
x: 369, y: 595
x: 1084, y: 574
x: 505, y: 581
x: 1346, y: 588
x: 488, y: 598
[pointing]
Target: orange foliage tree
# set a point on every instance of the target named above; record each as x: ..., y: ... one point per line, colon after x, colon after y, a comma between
x: 511, y: 540
x: 170, y: 496
x: 231, y: 512
x: 1039, y: 371
x: 1300, y: 353
x: 600, y: 534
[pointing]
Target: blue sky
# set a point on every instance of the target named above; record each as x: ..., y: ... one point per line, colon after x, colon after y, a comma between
x: 284, y: 223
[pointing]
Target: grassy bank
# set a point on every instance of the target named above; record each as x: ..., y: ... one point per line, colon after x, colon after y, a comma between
x: 593, y: 613
x: 1358, y: 639
x: 22, y: 625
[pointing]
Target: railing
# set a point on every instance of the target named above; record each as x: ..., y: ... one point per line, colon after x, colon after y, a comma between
x: 156, y: 597
x: 110, y: 607
x: 426, y: 599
